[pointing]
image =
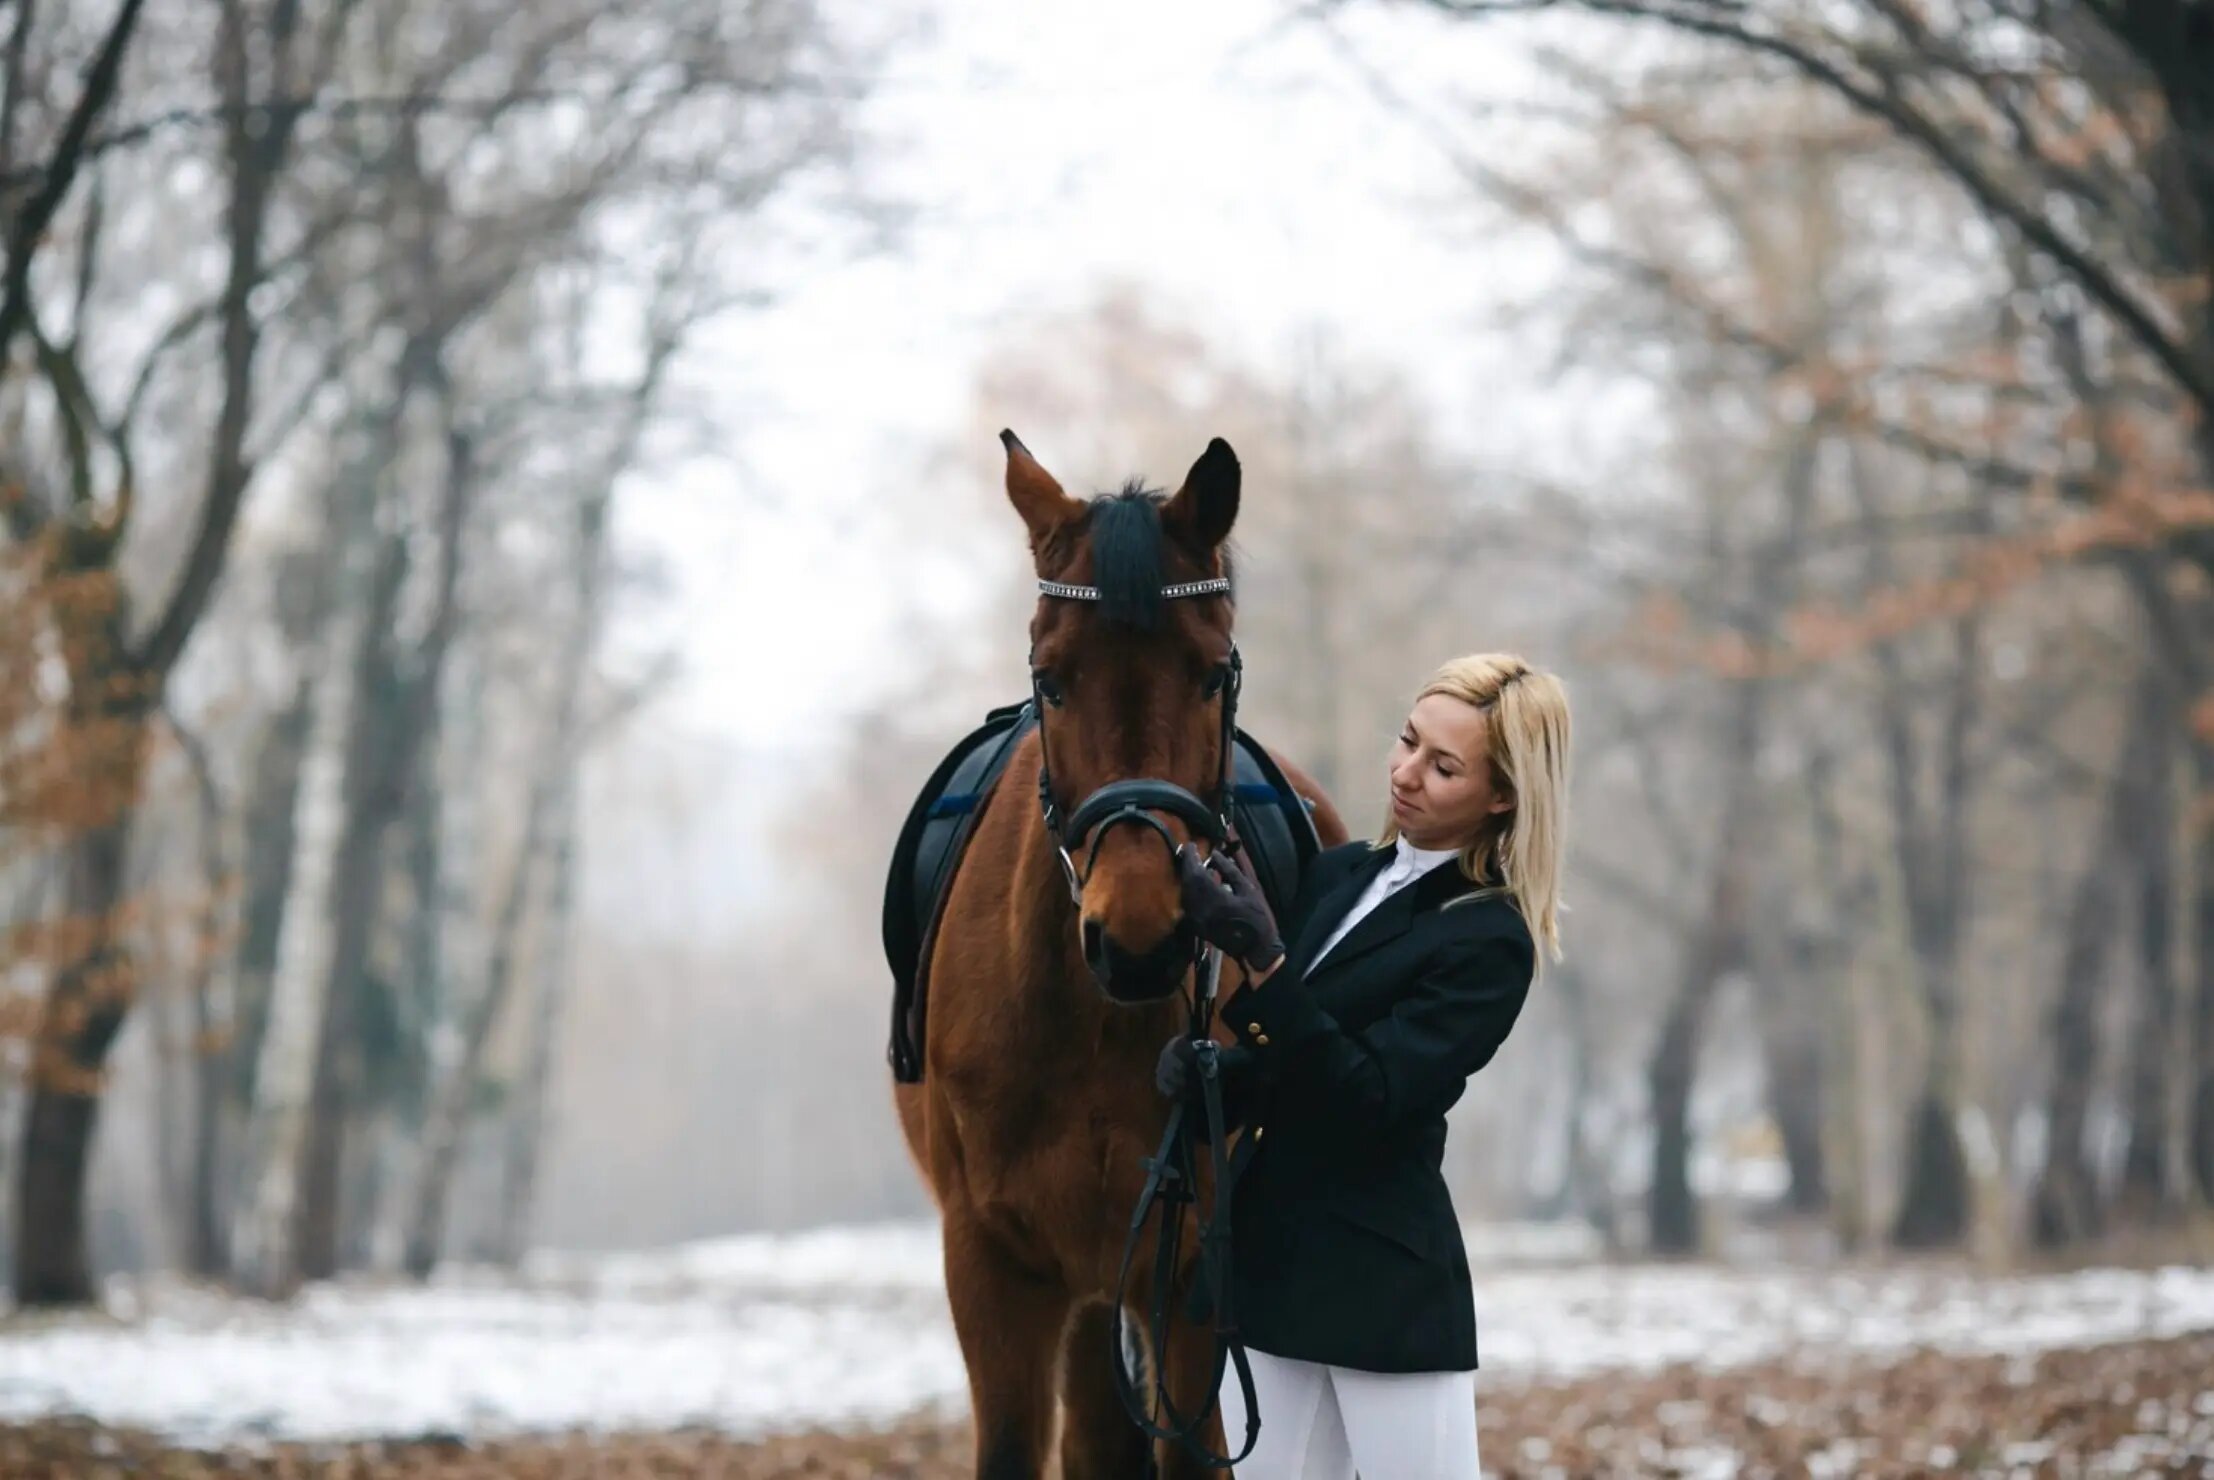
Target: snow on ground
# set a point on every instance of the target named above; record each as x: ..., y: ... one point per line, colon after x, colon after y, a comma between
x: 848, y: 1327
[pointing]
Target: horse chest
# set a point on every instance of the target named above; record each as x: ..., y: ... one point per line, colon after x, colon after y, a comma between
x: 1068, y: 1167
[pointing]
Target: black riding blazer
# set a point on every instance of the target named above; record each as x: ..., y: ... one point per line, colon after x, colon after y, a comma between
x: 1347, y: 1251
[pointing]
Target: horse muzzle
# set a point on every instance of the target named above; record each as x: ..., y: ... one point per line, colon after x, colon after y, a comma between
x: 1137, y: 976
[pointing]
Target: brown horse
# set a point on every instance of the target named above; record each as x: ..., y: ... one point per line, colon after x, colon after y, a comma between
x: 1047, y: 1011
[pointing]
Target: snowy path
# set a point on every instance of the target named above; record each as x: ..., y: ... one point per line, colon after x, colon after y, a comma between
x: 845, y: 1327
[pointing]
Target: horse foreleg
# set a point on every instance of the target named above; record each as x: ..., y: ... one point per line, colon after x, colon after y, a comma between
x: 1098, y: 1440
x: 1009, y: 1323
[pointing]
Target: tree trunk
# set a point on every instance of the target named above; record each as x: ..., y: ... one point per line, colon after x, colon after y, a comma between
x: 1936, y: 1204
x: 167, y: 1127
x: 1849, y: 1134
x: 455, y: 1094
x: 1718, y: 947
x: 207, y: 1041
x: 2202, y: 1011
x: 394, y: 716
x: 549, y: 811
x: 335, y: 1082
x: 1587, y: 1188
x: 564, y: 767
x: 1934, y: 1211
x: 206, y: 1251
x: 447, y: 936
x: 549, y: 840
x: 107, y: 732
x: 271, y: 836
x: 2178, y: 623
x: 85, y: 1011
x: 307, y: 944
x: 50, y: 1262
x: 419, y: 992
x: 1722, y: 940
x: 377, y: 746
x: 1796, y: 1085
x: 272, y: 807
x: 1840, y: 1015
x: 2146, y: 1191
x: 2066, y: 1206
x: 1672, y: 1221
x: 551, y: 964
x: 1791, y: 963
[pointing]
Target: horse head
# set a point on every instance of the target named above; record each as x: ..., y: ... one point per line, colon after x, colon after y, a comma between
x: 1135, y: 677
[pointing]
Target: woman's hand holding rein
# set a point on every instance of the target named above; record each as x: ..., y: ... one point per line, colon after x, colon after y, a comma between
x: 1227, y: 910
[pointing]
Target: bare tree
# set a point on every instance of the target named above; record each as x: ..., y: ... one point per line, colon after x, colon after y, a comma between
x: 118, y: 674
x: 557, y: 221
x: 545, y: 861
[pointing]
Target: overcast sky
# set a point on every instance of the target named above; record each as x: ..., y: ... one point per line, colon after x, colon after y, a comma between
x: 1224, y: 154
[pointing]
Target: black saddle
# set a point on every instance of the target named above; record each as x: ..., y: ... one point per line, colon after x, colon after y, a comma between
x: 1272, y: 823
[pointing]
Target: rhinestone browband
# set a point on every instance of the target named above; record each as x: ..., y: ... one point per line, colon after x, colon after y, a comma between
x: 1212, y: 586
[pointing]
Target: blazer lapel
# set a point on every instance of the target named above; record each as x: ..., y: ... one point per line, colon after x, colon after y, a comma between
x: 1389, y: 920
x: 1394, y: 914
x: 1331, y: 908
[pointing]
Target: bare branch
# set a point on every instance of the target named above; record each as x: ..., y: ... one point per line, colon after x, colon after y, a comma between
x: 1882, y: 97
x: 256, y: 155
x: 29, y: 226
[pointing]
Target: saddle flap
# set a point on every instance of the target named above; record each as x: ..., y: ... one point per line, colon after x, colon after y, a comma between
x: 1275, y: 824
x: 923, y: 859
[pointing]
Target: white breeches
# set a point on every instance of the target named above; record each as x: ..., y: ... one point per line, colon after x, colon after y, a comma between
x: 1333, y: 1423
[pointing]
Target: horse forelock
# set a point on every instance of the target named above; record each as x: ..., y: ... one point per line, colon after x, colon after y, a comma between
x: 1125, y: 532
x: 1128, y: 541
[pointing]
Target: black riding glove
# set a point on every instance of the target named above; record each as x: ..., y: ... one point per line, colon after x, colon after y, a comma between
x: 1176, y: 1072
x: 1177, y: 1068
x: 1227, y: 909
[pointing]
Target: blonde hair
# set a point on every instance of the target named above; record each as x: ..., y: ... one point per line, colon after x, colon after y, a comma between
x: 1518, y: 852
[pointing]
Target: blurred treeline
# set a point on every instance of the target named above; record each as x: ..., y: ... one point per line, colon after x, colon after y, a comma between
x: 289, y: 800
x: 1851, y: 461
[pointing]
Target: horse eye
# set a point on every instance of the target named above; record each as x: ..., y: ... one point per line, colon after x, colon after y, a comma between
x: 1049, y: 689
x: 1215, y: 681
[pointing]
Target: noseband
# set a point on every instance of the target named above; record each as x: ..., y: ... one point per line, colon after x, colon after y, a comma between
x: 1137, y: 799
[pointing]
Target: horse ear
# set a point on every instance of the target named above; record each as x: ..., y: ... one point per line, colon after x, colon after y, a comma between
x: 1033, y: 491
x: 1207, y: 504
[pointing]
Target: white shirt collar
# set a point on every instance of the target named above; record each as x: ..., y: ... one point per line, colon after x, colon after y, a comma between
x: 1411, y: 860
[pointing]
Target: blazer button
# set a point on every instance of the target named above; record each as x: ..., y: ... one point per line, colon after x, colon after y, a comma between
x: 1261, y: 1039
x: 1252, y: 1027
x: 1259, y: 1131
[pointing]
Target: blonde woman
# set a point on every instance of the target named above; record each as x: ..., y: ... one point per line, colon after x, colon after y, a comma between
x: 1407, y: 962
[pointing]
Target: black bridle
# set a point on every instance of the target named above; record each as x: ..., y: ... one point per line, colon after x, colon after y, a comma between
x: 1171, y: 1179
x: 1136, y: 799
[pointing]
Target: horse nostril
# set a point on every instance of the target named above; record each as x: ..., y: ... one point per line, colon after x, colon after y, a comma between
x: 1095, y: 940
